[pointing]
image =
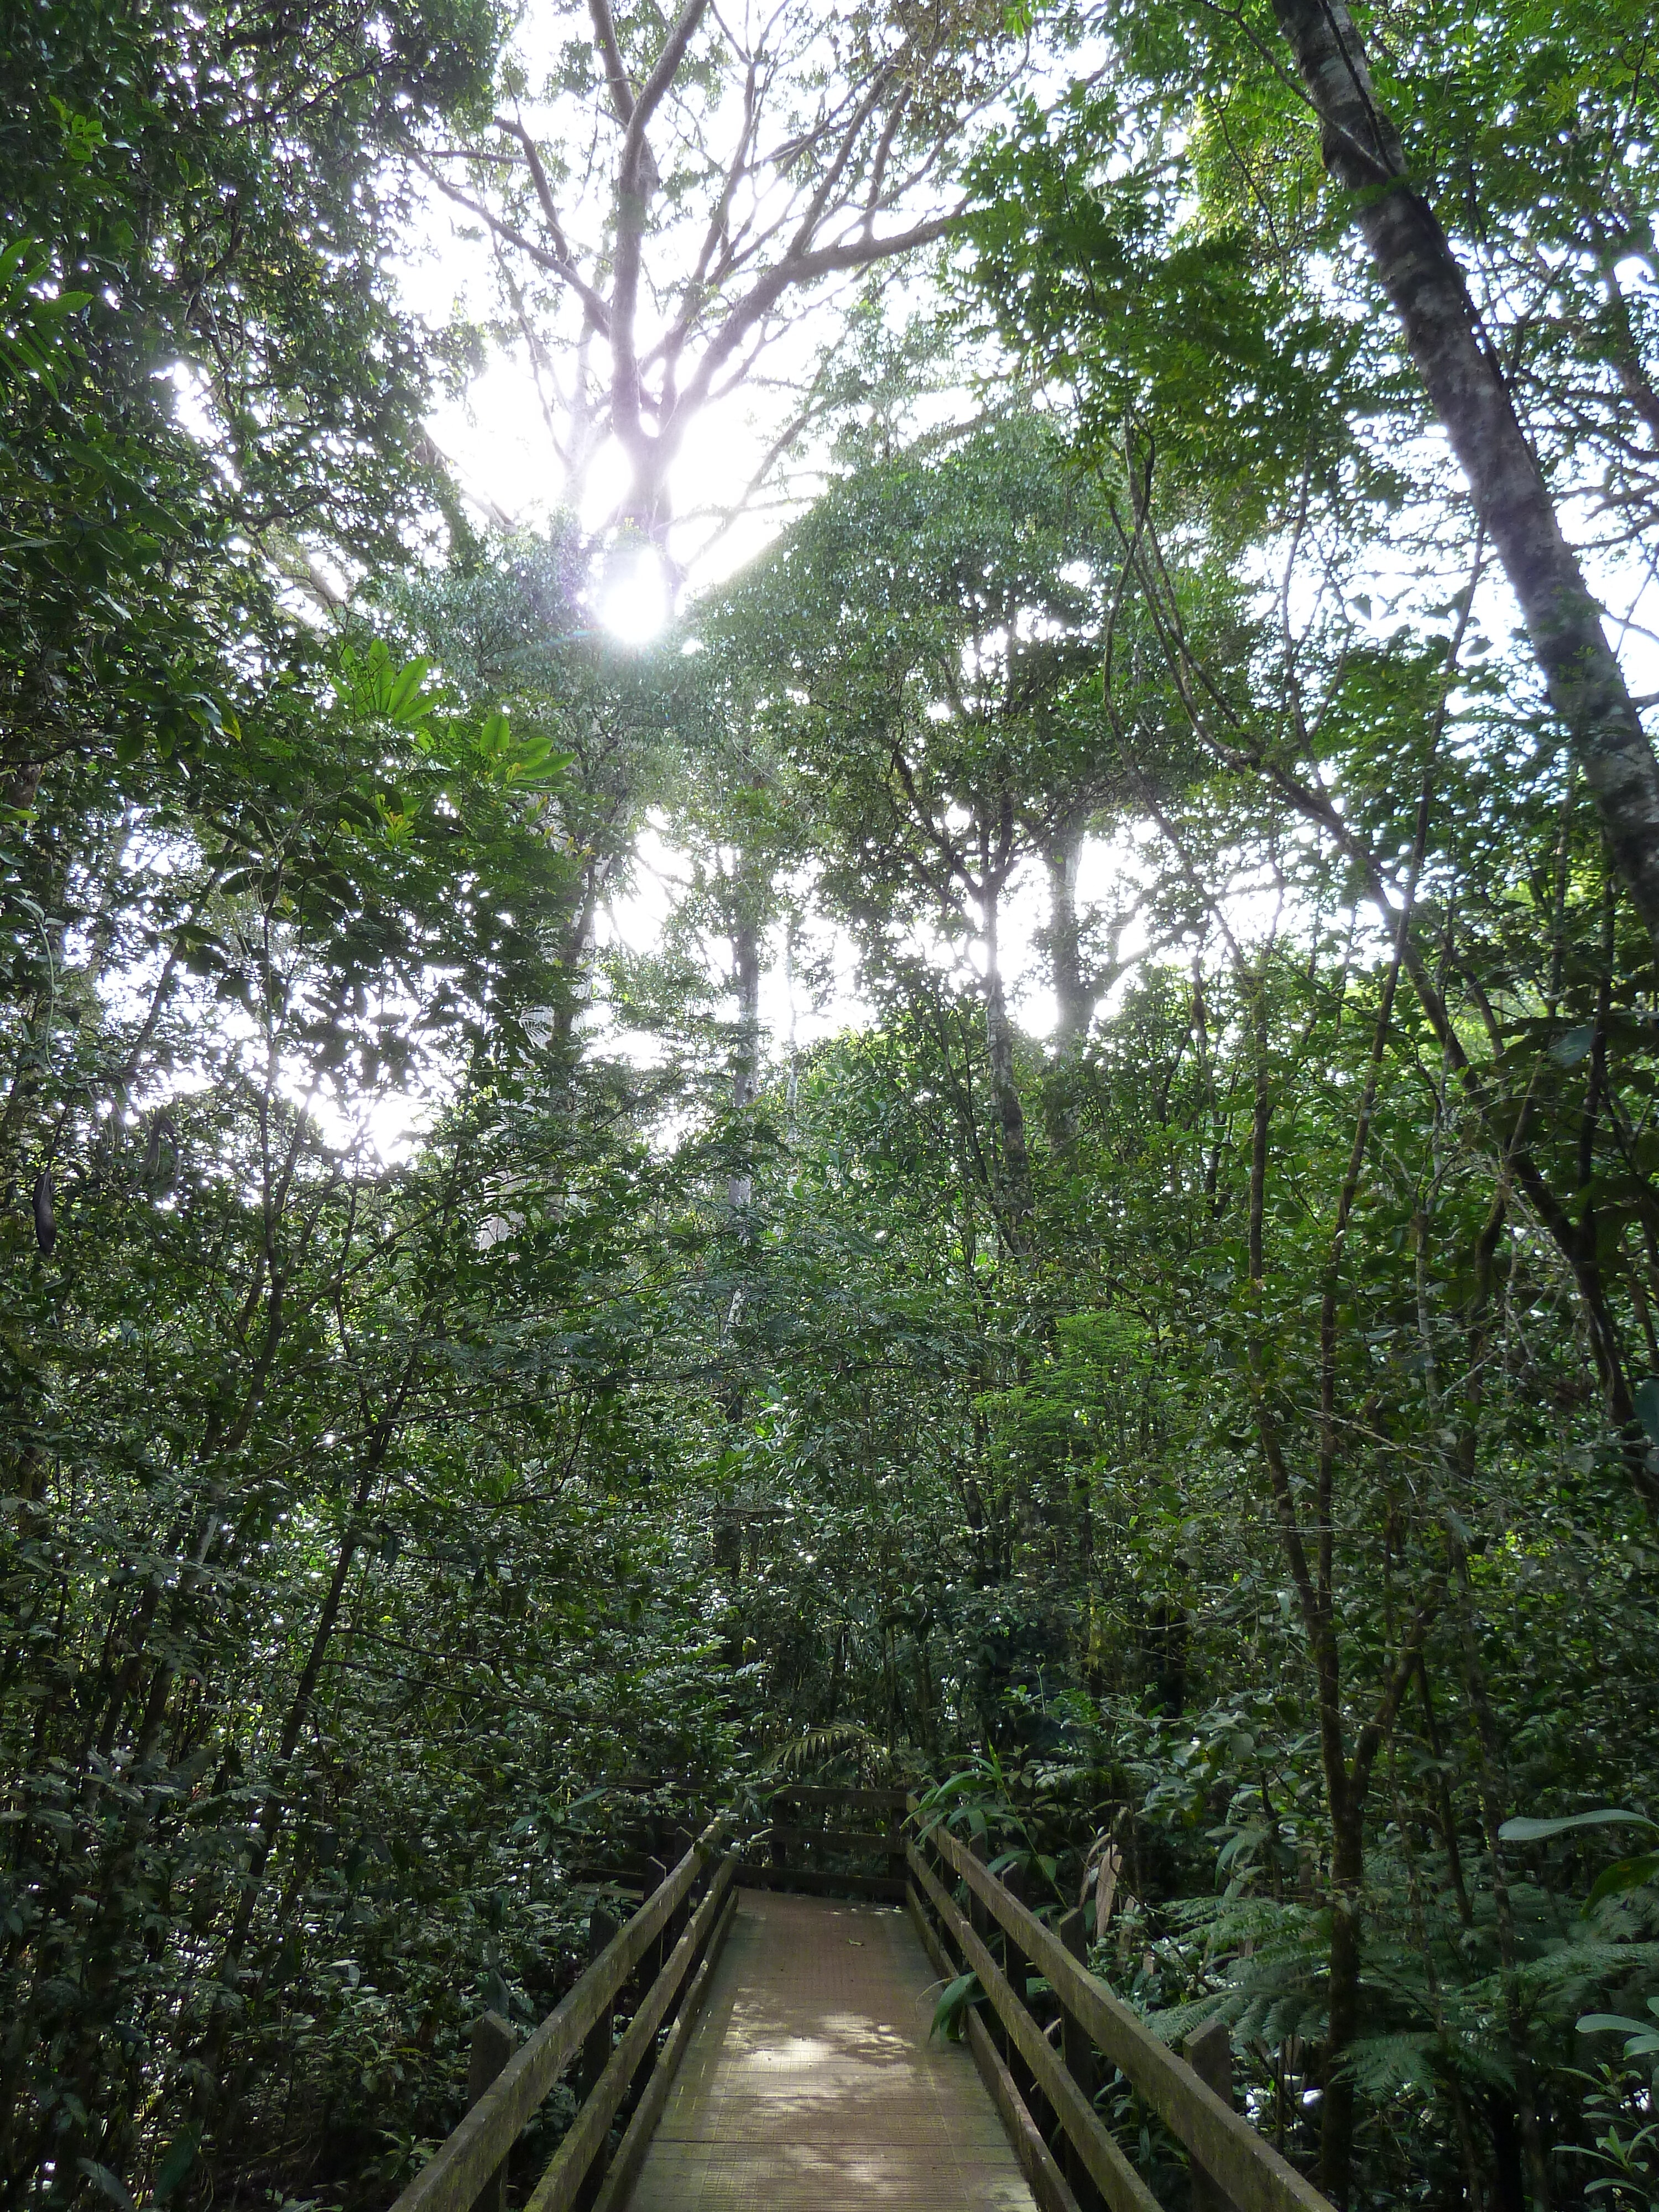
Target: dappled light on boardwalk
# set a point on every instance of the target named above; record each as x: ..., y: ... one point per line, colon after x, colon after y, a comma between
x: 811, y: 2079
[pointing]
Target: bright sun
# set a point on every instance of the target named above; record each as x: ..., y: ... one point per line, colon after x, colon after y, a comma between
x: 633, y: 598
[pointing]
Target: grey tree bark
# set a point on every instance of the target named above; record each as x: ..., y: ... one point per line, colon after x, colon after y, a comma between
x: 1421, y: 275
x: 1018, y: 1204
x: 1074, y: 996
x: 1074, y: 992
x: 745, y: 1058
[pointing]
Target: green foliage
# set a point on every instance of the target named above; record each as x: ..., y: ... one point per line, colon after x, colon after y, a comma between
x: 470, y: 1398
x: 951, y: 2013
x: 1172, y: 333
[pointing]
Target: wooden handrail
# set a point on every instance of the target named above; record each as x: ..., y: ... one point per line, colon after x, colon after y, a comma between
x: 835, y: 1800
x: 1036, y: 2161
x: 557, y: 2190
x: 791, y: 1843
x: 1222, y: 2143
x: 1112, y: 2173
x: 841, y: 1839
x: 464, y: 2162
x: 637, y: 2137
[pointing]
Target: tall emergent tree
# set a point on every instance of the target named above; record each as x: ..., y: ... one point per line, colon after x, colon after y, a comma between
x: 466, y: 1398
x: 665, y: 208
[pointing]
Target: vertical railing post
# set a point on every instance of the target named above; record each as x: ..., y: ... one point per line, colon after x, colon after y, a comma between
x: 979, y: 1916
x: 655, y: 1875
x: 776, y: 1852
x: 979, y: 1919
x: 894, y: 1817
x: 1209, y: 2051
x: 1018, y: 1968
x: 1079, y: 2054
x: 492, y: 2046
x: 597, y: 2045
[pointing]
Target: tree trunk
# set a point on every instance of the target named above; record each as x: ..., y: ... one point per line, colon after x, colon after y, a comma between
x: 1347, y: 1910
x: 1073, y: 998
x: 1017, y: 1199
x: 1420, y: 274
x: 745, y: 1058
x: 746, y: 974
x: 577, y: 953
x: 1074, y: 1001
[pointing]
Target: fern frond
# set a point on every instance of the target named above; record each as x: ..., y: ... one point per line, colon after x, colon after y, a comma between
x: 814, y: 1748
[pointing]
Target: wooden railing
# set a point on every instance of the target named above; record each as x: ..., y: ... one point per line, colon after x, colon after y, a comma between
x: 798, y: 1851
x: 1042, y: 2072
x: 669, y: 1947
x: 1047, y: 2096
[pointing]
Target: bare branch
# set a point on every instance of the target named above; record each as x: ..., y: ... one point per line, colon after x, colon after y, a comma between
x: 824, y: 195
x: 667, y: 68
x: 793, y: 274
x: 538, y: 177
x: 632, y: 200
x: 616, y: 74
x: 590, y: 298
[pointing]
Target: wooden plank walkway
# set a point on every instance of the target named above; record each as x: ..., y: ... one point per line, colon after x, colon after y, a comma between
x: 810, y: 2079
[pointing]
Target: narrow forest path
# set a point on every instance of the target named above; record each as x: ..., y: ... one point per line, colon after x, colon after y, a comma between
x: 810, y: 2079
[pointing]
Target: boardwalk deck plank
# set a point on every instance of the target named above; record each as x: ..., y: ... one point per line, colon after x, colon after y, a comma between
x: 811, y: 2080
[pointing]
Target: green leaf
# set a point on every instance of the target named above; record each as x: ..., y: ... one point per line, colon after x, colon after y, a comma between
x: 1525, y: 1830
x: 110, y: 2184
x: 1567, y: 1051
x: 1623, y: 1874
x: 949, y: 2013
x: 176, y: 2162
x: 1642, y: 2037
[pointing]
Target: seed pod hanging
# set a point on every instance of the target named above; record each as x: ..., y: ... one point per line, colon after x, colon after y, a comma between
x: 46, y: 1224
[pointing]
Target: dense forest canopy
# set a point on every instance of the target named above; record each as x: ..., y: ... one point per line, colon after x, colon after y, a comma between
x: 1169, y: 1350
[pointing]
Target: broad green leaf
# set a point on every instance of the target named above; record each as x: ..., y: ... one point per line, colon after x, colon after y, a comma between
x: 1526, y: 1829
x: 949, y: 2013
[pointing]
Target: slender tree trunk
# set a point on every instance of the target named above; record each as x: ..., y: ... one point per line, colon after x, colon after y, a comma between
x: 1017, y: 1199
x: 746, y: 972
x: 1414, y: 261
x: 1073, y: 997
x: 1075, y: 1002
x: 745, y: 1060
x: 1348, y: 1931
x: 580, y: 950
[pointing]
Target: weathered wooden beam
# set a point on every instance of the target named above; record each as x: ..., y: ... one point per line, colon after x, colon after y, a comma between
x: 492, y: 2039
x: 1219, y: 2141
x: 1117, y: 2180
x: 584, y: 2141
x: 597, y: 2043
x: 636, y: 2138
x: 841, y: 1839
x: 1036, y: 2161
x: 452, y: 2179
x: 812, y: 1881
x: 623, y: 1873
x: 1079, y: 2054
x: 1209, y: 2051
x: 849, y: 1800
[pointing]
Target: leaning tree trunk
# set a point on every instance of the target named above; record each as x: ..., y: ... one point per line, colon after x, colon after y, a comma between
x: 1421, y: 275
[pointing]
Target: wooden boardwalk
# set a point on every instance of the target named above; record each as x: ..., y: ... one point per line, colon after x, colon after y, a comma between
x: 811, y: 2080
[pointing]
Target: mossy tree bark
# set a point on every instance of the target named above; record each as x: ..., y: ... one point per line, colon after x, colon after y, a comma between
x: 1414, y: 261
